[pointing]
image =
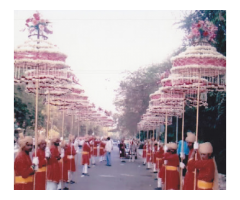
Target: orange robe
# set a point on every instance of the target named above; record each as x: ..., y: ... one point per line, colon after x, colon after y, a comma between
x: 172, y: 175
x: 91, y: 149
x: 63, y: 165
x: 85, y: 153
x: 53, y: 170
x: 102, y: 148
x: 189, y: 177
x: 205, y: 176
x: 70, y: 151
x: 154, y: 155
x: 149, y: 153
x: 159, y: 160
x: 95, y: 151
x: 23, y: 179
x: 144, y: 151
x: 40, y: 182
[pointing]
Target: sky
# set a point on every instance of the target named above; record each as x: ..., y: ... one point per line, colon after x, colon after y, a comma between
x: 101, y: 45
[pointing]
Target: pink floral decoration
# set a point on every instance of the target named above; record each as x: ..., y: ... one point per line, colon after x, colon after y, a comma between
x: 41, y: 27
x: 203, y: 31
x: 38, y: 24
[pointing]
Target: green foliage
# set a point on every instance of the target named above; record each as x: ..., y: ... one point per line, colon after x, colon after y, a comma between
x: 24, y: 108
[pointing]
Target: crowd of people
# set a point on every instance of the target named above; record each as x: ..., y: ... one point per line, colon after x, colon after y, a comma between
x: 53, y: 165
x: 133, y: 146
x: 167, y: 161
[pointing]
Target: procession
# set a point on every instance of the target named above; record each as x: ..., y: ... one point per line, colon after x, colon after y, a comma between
x: 162, y: 127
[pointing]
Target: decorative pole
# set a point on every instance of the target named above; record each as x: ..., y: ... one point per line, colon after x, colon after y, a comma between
x: 197, y: 119
x: 36, y: 119
x: 182, y: 141
x: 62, y: 137
x: 165, y: 145
x: 48, y: 115
x: 176, y: 129
x: 71, y: 145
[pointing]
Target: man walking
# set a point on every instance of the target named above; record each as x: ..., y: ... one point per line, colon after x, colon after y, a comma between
x: 108, y: 149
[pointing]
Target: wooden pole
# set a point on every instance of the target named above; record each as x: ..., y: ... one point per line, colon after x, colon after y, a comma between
x: 78, y: 128
x: 70, y: 143
x: 197, y: 120
x: 176, y: 129
x: 48, y: 115
x: 36, y: 125
x: 48, y: 119
x: 182, y: 140
x: 166, y: 144
x: 87, y: 127
x: 64, y: 152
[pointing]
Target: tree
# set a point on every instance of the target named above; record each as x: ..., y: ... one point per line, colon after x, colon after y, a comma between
x: 24, y: 108
x: 132, y: 97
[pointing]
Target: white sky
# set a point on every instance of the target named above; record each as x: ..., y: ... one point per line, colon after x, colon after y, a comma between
x: 102, y: 44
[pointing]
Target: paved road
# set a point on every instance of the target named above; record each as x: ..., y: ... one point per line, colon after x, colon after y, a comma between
x: 120, y: 176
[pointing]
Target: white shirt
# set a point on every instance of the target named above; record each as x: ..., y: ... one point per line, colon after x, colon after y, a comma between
x: 76, y: 142
x: 109, y: 146
x: 81, y: 142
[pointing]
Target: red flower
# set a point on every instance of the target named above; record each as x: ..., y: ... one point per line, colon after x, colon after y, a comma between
x: 36, y: 16
x: 29, y: 20
x: 205, y: 33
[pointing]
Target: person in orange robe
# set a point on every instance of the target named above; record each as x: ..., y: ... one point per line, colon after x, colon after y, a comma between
x: 63, y: 165
x: 23, y: 167
x: 13, y: 175
x: 161, y: 173
x: 189, y: 176
x: 102, y: 150
x: 144, y: 155
x: 90, y: 153
x: 207, y: 176
x: 149, y: 153
x: 159, y: 162
x: 95, y: 150
x: 40, y: 177
x: 155, y: 149
x: 71, y: 152
x: 53, y: 169
x: 171, y: 161
x: 85, y: 156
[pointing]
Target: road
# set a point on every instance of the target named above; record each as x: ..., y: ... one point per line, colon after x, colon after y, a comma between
x: 120, y: 176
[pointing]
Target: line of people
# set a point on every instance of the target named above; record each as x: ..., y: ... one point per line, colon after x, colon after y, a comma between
x: 133, y: 146
x: 54, y: 164
x: 167, y: 164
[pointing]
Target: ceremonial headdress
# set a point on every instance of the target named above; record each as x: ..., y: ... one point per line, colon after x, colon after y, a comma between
x: 54, y: 135
x: 190, y: 137
x: 172, y: 145
x: 205, y: 148
x: 40, y: 139
x: 71, y: 137
x: 24, y: 140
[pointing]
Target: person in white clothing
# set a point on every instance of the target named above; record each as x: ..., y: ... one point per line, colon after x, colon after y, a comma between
x: 108, y: 148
